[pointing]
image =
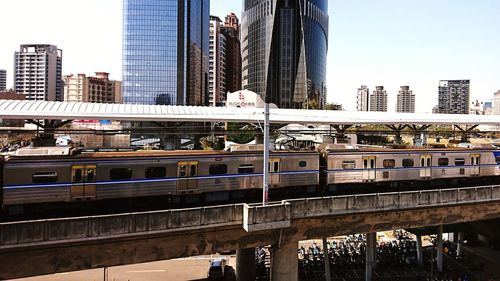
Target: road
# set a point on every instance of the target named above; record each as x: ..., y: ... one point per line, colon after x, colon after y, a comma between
x: 194, y: 268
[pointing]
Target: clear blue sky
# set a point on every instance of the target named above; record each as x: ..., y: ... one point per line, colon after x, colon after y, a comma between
x: 372, y: 42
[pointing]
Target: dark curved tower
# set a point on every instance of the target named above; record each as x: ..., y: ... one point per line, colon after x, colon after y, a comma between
x: 284, y: 48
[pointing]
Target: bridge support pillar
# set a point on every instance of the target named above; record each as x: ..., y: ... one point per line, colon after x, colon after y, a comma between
x: 439, y: 254
x: 460, y: 244
x: 420, y: 253
x: 327, y: 259
x: 245, y: 264
x: 285, y: 262
x: 369, y: 255
x: 374, y: 237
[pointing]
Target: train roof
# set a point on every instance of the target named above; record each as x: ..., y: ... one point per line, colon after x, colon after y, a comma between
x: 67, y: 152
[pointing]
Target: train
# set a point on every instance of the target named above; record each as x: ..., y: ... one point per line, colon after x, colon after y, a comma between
x: 63, y: 175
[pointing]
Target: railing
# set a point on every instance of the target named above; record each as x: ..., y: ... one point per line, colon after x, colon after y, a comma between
x: 251, y: 217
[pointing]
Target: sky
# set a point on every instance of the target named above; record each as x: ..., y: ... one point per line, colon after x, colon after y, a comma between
x: 386, y: 43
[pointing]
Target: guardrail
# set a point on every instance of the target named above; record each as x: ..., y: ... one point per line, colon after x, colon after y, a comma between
x: 250, y: 217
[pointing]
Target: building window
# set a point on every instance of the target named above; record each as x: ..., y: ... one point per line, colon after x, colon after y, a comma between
x: 217, y: 169
x: 408, y: 163
x: 443, y: 161
x: 44, y: 177
x: 155, y: 172
x: 120, y: 173
x: 389, y: 163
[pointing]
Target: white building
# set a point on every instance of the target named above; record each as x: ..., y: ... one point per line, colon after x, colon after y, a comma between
x: 496, y: 103
x: 38, y: 72
x: 3, y: 79
x: 363, y: 98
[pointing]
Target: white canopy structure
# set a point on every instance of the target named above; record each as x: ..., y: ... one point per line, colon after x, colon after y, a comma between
x: 16, y: 109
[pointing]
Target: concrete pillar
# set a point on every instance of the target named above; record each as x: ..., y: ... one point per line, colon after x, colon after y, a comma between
x: 374, y: 250
x: 327, y: 260
x: 460, y: 244
x: 285, y: 265
x: 439, y: 255
x: 369, y: 256
x: 420, y: 253
x: 245, y: 264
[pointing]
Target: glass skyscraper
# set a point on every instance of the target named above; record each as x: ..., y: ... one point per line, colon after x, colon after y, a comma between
x: 284, y: 48
x: 165, y: 52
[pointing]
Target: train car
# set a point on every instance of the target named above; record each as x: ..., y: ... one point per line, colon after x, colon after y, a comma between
x: 43, y: 175
x: 344, y: 165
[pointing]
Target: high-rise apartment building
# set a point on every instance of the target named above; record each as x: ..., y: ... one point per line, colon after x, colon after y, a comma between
x: 224, y: 61
x: 454, y: 96
x: 231, y: 31
x: 363, y: 98
x: 216, y: 63
x: 496, y: 103
x: 3, y: 79
x: 378, y: 99
x: 98, y: 89
x: 165, y: 52
x: 284, y: 47
x: 38, y: 72
x: 405, y: 100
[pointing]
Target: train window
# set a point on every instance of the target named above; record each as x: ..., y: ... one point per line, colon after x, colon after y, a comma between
x: 246, y: 169
x: 459, y: 161
x: 302, y: 164
x: 90, y: 175
x: 351, y: 164
x: 44, y: 177
x: 78, y: 175
x: 407, y: 163
x: 120, y: 173
x: 497, y: 159
x: 217, y: 169
x: 389, y: 163
x: 155, y: 172
x: 192, y: 170
x: 443, y: 161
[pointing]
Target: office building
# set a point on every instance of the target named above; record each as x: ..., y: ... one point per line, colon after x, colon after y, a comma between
x: 165, y: 52
x: 378, y: 99
x: 38, y: 72
x: 363, y: 98
x: 98, y: 89
x: 216, y: 63
x: 3, y: 79
x: 454, y: 96
x: 284, y: 46
x: 496, y: 103
x: 405, y: 100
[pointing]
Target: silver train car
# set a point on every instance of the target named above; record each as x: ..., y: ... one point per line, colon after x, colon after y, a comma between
x: 379, y: 165
x: 211, y: 175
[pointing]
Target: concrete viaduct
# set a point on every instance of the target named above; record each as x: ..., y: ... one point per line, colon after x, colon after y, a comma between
x: 32, y: 248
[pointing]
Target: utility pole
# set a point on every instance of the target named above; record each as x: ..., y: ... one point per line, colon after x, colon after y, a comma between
x: 265, y: 167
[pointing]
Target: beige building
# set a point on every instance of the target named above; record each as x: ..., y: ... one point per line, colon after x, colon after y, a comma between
x: 378, y: 100
x: 405, y: 100
x: 98, y: 89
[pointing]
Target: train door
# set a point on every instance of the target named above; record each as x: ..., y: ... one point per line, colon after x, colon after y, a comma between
x: 425, y: 166
x: 274, y: 169
x: 187, y: 171
x: 369, y: 166
x: 475, y: 162
x: 83, y: 182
